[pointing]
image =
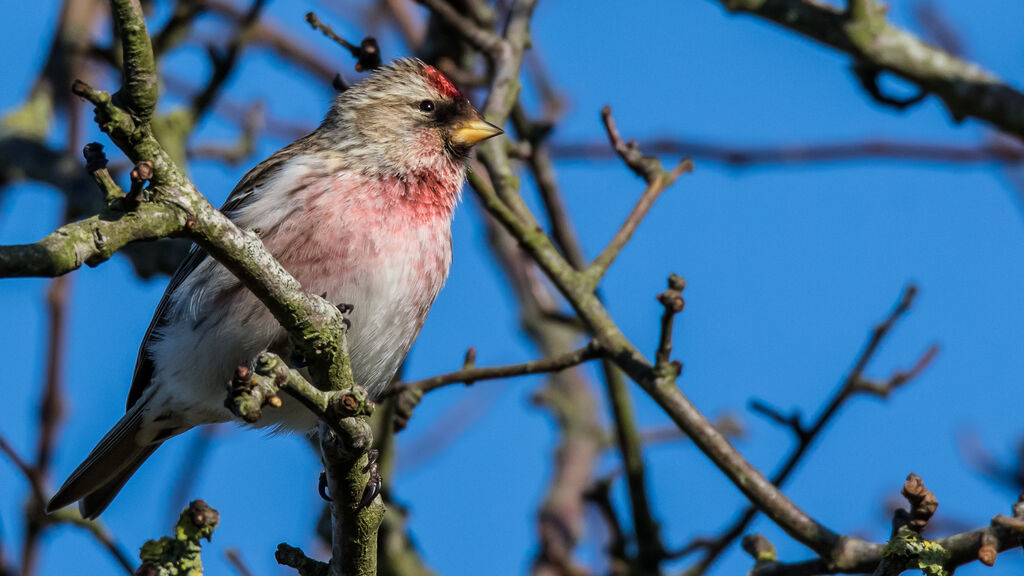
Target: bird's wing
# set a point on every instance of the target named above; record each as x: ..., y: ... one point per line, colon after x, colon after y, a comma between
x: 239, y: 197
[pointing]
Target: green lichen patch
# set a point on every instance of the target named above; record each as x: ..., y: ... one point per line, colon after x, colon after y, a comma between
x: 913, y: 551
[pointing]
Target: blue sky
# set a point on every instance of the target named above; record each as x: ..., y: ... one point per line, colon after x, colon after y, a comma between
x: 787, y: 270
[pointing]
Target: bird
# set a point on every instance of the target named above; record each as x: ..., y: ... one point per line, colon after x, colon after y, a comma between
x: 360, y: 211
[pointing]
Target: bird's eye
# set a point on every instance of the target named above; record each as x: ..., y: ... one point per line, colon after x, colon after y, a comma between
x: 426, y: 106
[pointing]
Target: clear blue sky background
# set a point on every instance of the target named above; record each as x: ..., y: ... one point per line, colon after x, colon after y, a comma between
x: 787, y: 270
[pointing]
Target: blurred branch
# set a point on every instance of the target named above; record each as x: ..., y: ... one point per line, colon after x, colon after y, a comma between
x: 278, y: 42
x: 39, y: 495
x: 51, y: 411
x: 739, y: 156
x: 397, y: 554
x: 224, y: 62
x: 865, y: 34
x: 1009, y: 476
x: 541, y: 165
x: 568, y: 397
x: 234, y: 557
x: 367, y: 54
x: 192, y: 464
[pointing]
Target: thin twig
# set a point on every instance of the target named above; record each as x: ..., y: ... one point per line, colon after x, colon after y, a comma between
x: 475, y: 374
x: 367, y: 54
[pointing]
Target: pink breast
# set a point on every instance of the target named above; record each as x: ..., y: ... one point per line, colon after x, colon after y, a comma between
x: 357, y: 229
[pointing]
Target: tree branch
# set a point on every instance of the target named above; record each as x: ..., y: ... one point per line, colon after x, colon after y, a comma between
x: 965, y: 89
x: 345, y: 441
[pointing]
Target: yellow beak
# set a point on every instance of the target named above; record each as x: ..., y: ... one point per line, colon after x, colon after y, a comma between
x: 472, y: 131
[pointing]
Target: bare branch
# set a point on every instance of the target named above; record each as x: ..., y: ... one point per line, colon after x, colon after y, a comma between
x: 658, y: 180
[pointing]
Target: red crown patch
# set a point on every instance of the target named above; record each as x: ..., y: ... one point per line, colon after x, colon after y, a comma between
x: 441, y: 83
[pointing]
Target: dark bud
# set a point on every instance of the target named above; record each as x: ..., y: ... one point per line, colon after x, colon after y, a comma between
x: 987, y: 555
x: 95, y: 159
x: 202, y: 515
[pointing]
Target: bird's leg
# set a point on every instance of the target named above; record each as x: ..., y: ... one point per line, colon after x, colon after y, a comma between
x: 374, y: 483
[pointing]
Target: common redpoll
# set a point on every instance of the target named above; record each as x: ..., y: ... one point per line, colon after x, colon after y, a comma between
x: 359, y: 210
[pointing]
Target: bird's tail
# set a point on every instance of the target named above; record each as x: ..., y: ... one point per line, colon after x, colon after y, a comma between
x: 107, y: 468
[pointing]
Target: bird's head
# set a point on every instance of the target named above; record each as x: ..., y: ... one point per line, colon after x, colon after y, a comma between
x: 403, y: 118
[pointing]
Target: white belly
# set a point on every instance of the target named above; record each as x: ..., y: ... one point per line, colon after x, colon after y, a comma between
x: 220, y: 325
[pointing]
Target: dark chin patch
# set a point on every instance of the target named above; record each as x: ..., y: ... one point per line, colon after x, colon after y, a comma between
x: 455, y: 151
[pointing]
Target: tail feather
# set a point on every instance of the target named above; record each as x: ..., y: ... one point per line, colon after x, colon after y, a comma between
x: 94, y: 503
x: 104, y: 472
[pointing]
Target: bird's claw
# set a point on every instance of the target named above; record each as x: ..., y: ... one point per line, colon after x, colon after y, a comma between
x: 345, y: 309
x: 298, y: 360
x: 322, y: 488
x: 374, y: 483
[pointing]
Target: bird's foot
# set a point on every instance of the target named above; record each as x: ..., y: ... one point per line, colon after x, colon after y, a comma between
x: 374, y: 483
x: 344, y: 309
x: 322, y: 487
x: 298, y: 360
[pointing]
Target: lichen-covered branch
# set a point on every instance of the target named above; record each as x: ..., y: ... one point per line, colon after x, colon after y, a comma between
x: 345, y: 440
x: 90, y: 241
x: 179, y: 555
x: 252, y: 390
x: 967, y: 90
x: 907, y: 549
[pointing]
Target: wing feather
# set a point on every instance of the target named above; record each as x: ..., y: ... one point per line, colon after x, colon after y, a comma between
x: 239, y: 197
